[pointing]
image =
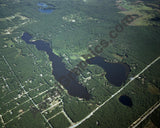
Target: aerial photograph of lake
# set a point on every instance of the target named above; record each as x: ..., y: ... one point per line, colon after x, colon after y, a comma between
x: 79, y: 64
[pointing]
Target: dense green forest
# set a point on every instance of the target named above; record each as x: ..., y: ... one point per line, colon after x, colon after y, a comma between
x: 30, y: 96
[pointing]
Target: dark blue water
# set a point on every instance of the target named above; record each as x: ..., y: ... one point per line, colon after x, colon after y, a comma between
x: 116, y: 73
x: 125, y: 100
x: 44, y: 8
x: 155, y: 19
x: 65, y: 77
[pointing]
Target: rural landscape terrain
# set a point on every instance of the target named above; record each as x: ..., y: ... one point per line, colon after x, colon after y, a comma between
x: 79, y: 64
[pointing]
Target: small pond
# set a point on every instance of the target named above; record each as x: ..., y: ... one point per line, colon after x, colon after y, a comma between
x: 125, y: 100
x: 45, y: 8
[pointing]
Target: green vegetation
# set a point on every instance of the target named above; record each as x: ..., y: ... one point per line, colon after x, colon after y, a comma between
x: 146, y: 11
x: 152, y: 121
x: 60, y: 121
x: 71, y: 29
x: 115, y: 111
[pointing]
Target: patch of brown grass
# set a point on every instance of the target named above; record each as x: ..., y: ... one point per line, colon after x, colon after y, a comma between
x: 153, y: 89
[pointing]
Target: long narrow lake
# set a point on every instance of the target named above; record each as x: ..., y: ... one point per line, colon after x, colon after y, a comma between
x: 58, y: 69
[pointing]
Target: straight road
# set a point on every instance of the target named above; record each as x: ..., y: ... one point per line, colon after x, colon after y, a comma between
x: 145, y: 115
x: 20, y: 84
x: 112, y: 96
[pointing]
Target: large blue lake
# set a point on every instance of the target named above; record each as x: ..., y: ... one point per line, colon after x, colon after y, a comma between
x: 116, y: 73
x: 72, y: 85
